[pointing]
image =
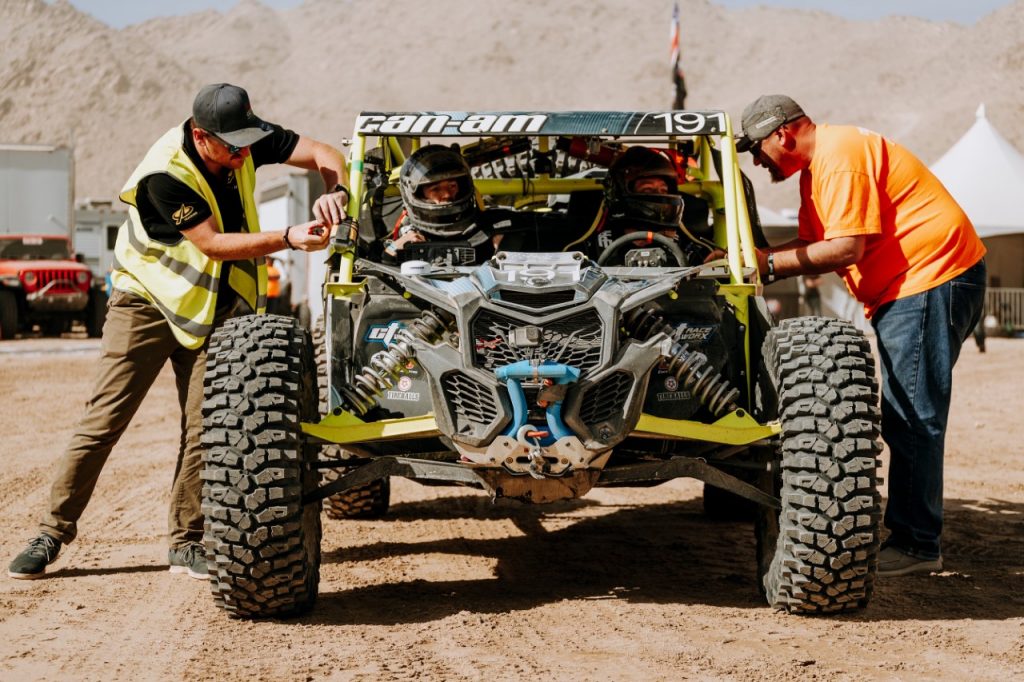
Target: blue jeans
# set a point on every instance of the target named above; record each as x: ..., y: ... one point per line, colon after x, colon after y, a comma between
x: 919, y: 340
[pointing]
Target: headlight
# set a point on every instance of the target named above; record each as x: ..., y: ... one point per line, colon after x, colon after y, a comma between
x: 82, y: 277
x: 29, y: 278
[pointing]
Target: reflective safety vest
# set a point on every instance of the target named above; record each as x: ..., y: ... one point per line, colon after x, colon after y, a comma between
x: 180, y: 280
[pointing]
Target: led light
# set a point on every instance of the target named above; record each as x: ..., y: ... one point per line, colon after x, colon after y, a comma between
x: 82, y: 277
x: 30, y: 278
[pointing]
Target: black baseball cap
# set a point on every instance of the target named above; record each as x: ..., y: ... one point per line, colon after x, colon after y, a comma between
x: 224, y: 110
x: 764, y: 116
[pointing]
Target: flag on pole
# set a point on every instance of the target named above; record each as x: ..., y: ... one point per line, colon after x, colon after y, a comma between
x: 679, y: 100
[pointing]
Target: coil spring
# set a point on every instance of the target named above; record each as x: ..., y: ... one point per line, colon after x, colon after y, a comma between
x: 386, y: 366
x: 689, y: 367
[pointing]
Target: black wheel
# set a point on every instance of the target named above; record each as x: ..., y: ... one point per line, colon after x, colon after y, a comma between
x: 96, y: 314
x: 8, y: 315
x: 368, y: 501
x: 820, y: 552
x: 262, y: 542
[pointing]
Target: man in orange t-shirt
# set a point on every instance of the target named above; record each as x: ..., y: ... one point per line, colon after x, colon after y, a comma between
x: 873, y: 213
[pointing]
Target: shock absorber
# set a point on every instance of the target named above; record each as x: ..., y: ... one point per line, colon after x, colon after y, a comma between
x: 386, y: 366
x: 690, y: 368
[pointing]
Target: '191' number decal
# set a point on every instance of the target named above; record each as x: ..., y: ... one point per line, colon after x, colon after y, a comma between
x: 691, y: 122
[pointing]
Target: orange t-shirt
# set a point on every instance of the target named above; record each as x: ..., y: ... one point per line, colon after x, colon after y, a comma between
x: 860, y: 183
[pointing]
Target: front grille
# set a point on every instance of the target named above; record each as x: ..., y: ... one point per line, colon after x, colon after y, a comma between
x: 537, y: 299
x: 573, y: 341
x: 63, y: 281
x: 470, y: 404
x: 606, y: 400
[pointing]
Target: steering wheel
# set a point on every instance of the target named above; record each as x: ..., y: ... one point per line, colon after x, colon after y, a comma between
x: 652, y: 237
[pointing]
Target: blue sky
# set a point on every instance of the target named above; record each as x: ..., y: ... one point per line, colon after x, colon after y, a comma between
x: 120, y: 13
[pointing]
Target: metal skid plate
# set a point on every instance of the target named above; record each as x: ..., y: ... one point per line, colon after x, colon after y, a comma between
x: 523, y: 457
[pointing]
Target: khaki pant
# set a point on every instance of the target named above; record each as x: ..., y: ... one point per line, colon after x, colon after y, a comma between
x: 137, y: 342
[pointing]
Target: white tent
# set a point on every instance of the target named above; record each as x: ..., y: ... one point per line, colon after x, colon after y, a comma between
x: 985, y: 174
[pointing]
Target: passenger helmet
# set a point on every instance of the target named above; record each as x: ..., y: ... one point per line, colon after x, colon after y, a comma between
x: 430, y: 164
x: 626, y: 207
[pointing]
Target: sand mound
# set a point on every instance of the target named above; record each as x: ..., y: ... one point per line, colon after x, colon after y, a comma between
x: 69, y: 79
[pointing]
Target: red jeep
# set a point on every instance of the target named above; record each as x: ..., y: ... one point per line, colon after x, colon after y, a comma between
x: 41, y: 283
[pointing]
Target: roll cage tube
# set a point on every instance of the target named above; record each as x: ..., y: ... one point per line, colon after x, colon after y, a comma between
x: 389, y: 126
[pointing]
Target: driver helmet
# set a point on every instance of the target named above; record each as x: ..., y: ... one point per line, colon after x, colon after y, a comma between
x: 628, y: 208
x: 432, y: 163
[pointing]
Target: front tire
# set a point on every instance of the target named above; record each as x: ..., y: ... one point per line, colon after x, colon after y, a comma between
x: 819, y: 553
x: 262, y: 542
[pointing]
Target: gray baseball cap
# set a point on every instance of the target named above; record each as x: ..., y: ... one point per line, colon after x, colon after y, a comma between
x: 224, y: 110
x: 764, y: 116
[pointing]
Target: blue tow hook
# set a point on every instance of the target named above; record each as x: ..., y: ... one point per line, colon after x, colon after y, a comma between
x: 513, y: 375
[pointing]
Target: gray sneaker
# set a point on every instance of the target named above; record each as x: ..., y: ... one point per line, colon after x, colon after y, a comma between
x: 32, y: 562
x: 189, y: 558
x: 893, y: 562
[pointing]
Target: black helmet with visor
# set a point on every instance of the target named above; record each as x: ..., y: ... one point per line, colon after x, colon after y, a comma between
x: 425, y: 166
x: 629, y: 208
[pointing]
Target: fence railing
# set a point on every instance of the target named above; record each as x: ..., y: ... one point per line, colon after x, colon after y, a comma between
x: 1007, y: 305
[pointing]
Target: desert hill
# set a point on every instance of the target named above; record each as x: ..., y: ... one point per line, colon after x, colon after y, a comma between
x: 66, y: 78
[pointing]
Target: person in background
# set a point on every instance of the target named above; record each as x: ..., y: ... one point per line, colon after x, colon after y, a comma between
x: 873, y: 213
x: 274, y: 301
x: 189, y: 256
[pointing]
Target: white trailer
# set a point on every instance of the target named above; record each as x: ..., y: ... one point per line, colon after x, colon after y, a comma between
x: 36, y: 189
x: 96, y: 226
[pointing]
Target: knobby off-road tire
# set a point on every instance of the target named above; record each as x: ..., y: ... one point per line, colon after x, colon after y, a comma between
x: 368, y: 501
x: 820, y: 553
x: 262, y: 543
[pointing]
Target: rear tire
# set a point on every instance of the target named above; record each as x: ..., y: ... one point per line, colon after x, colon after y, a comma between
x: 819, y: 553
x: 8, y: 315
x: 262, y: 542
x: 370, y: 501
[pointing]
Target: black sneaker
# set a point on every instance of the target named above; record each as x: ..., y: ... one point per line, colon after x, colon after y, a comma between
x: 31, y: 563
x: 189, y: 558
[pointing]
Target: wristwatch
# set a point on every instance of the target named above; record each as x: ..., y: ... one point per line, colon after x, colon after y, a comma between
x: 342, y: 188
x: 771, y: 267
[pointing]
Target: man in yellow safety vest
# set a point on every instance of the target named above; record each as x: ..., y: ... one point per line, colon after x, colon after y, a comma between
x: 190, y: 255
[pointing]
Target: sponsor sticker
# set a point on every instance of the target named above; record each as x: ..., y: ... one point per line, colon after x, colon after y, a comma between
x: 694, y: 333
x: 382, y: 333
x: 403, y: 395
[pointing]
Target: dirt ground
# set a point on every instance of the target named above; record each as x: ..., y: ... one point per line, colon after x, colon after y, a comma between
x: 625, y: 584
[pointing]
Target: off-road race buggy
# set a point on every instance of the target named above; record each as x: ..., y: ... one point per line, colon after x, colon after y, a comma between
x: 538, y: 375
